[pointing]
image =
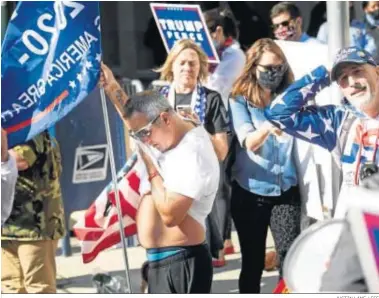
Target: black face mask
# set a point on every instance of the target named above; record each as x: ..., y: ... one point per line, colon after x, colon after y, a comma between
x: 272, y: 78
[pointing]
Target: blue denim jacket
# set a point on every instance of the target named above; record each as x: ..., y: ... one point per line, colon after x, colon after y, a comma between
x: 271, y: 169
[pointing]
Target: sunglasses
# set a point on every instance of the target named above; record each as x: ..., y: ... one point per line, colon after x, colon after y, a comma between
x: 284, y: 24
x: 274, y: 68
x: 145, y: 131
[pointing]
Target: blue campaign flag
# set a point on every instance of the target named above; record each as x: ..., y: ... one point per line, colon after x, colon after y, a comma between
x: 180, y: 21
x: 50, y: 62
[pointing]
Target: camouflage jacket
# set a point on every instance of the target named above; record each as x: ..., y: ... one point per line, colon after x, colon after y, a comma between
x: 37, y: 212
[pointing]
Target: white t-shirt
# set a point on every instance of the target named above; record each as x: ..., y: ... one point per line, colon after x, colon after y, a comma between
x: 357, y: 150
x: 231, y: 65
x: 9, y: 175
x: 192, y: 170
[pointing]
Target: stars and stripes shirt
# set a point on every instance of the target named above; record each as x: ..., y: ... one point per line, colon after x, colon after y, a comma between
x: 325, y: 125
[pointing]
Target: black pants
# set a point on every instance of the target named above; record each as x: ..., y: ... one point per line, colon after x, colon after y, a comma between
x: 223, y: 204
x: 252, y: 214
x: 218, y: 222
x: 213, y: 234
x: 189, y: 271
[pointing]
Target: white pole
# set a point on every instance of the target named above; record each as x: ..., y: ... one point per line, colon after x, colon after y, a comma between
x: 338, y: 27
x: 114, y: 180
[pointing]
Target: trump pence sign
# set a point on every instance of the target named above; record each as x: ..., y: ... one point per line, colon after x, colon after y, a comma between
x: 177, y: 21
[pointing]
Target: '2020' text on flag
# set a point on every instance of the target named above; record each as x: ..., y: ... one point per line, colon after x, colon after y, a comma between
x: 50, y: 62
x: 99, y: 228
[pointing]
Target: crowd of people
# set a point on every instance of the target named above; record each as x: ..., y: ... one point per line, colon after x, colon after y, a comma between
x: 218, y: 145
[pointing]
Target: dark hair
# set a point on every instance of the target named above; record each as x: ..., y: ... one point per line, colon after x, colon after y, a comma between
x: 215, y: 18
x: 351, y: 11
x: 150, y: 103
x: 285, y: 7
x: 318, y: 17
x: 364, y: 4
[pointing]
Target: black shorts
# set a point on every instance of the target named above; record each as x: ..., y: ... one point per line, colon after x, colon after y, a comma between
x: 188, y: 271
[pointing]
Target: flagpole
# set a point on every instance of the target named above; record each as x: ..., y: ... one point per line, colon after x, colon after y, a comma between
x: 114, y: 180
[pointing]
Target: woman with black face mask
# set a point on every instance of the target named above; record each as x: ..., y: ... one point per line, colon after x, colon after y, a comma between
x: 264, y: 179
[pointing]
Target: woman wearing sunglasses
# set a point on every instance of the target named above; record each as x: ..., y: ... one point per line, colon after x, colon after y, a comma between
x: 186, y: 69
x: 264, y: 180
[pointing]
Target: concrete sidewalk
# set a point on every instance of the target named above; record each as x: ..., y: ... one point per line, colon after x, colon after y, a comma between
x: 75, y: 277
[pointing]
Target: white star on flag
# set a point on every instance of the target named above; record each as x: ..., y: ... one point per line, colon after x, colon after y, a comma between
x: 79, y: 77
x: 308, y: 134
x: 72, y: 84
x: 328, y: 125
x: 88, y: 65
x: 98, y: 57
x: 312, y: 76
x: 306, y: 90
x: 279, y: 100
x: 293, y: 117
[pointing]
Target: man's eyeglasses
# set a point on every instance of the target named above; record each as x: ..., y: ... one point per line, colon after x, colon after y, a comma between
x: 284, y: 24
x: 145, y: 131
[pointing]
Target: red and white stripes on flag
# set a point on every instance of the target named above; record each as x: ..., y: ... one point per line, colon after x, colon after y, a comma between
x: 99, y: 228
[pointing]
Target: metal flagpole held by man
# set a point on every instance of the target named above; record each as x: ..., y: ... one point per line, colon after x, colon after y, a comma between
x: 115, y: 187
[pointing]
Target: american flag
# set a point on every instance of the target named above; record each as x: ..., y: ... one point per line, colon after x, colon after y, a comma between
x: 315, y: 124
x: 325, y: 125
x: 99, y: 228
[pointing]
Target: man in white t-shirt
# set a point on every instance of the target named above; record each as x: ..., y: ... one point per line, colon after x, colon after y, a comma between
x: 184, y: 172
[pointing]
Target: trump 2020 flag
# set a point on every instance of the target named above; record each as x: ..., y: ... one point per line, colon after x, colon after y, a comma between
x: 99, y: 228
x: 50, y: 62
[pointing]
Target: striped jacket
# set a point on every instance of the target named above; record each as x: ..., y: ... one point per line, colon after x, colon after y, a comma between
x: 351, y: 136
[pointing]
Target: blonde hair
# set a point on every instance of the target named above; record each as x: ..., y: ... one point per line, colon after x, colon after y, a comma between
x: 166, y: 68
x: 247, y: 84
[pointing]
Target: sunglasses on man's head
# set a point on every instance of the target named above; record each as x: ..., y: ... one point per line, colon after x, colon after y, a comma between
x: 144, y: 132
x: 284, y: 24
